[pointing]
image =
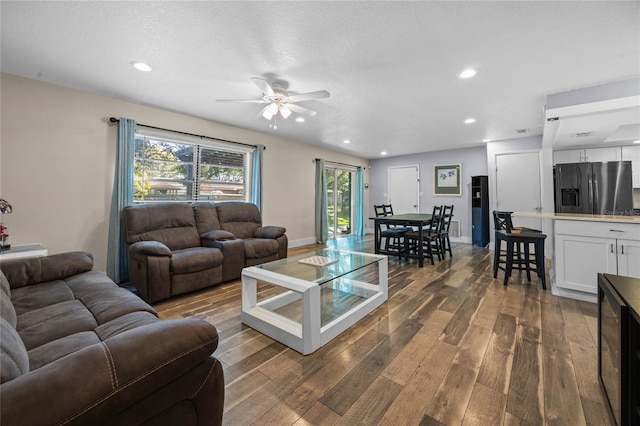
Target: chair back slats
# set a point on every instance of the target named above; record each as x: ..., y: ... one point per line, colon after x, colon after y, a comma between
x: 502, y: 221
x: 447, y: 215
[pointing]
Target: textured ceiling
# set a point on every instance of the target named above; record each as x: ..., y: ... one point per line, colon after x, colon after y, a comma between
x: 390, y: 66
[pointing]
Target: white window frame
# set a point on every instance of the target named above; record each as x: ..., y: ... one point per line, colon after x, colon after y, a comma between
x: 200, y: 143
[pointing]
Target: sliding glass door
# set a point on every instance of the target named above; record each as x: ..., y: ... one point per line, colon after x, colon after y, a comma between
x: 339, y: 201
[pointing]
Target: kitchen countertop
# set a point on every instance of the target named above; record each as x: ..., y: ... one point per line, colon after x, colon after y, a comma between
x: 584, y: 217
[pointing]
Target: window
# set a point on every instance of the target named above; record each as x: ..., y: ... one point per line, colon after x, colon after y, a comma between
x: 166, y: 169
x: 340, y: 203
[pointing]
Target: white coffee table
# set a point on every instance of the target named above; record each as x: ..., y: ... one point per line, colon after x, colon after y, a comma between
x: 305, y: 306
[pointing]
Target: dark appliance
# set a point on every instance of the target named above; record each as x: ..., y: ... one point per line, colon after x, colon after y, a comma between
x: 594, y: 188
x: 619, y: 346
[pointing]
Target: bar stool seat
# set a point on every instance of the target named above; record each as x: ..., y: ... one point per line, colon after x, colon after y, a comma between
x: 514, y: 240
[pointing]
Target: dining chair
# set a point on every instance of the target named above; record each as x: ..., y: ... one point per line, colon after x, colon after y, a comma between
x: 445, y: 243
x: 430, y: 237
x: 392, y: 234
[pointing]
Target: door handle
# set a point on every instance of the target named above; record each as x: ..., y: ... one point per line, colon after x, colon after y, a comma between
x: 622, y: 249
x: 611, y: 248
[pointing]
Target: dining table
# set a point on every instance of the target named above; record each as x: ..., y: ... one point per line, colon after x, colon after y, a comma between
x: 415, y: 220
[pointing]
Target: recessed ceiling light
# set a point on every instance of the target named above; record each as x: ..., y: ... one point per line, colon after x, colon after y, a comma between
x: 470, y: 120
x: 347, y: 141
x: 300, y: 119
x: 141, y: 66
x: 486, y: 140
x: 468, y: 73
x: 383, y: 153
x: 638, y: 141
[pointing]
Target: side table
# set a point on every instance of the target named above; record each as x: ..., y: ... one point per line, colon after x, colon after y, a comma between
x: 23, y: 250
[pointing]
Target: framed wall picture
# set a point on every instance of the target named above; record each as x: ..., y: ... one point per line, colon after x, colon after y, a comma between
x: 447, y: 179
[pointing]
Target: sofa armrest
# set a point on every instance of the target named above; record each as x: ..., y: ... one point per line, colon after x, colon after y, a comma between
x: 217, y: 235
x: 36, y: 270
x: 150, y: 248
x: 269, y: 232
x: 94, y: 384
x: 233, y: 256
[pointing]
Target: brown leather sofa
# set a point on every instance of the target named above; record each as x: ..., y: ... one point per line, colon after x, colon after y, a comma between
x: 78, y: 349
x: 175, y: 248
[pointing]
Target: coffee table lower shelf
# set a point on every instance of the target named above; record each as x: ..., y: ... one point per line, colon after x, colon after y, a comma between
x: 308, y: 334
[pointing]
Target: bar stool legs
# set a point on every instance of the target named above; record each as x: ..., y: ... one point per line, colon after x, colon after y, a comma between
x: 513, y: 256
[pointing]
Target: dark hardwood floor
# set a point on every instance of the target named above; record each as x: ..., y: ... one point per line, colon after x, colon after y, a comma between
x: 451, y: 346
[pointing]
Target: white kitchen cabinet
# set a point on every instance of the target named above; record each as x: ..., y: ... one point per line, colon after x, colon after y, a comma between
x: 628, y: 252
x: 584, y: 248
x: 569, y: 156
x: 580, y: 259
x: 589, y: 155
x: 632, y: 153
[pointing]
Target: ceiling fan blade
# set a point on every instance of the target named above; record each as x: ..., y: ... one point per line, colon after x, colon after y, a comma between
x: 263, y: 85
x: 253, y: 101
x: 308, y: 96
x: 300, y: 110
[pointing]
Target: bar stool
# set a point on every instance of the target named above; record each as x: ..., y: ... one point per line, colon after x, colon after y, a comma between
x: 517, y: 254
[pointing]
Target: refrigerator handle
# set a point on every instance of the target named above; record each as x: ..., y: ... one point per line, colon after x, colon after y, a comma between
x: 596, y: 195
x: 590, y: 191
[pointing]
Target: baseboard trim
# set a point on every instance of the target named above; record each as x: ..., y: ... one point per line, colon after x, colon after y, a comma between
x: 302, y: 242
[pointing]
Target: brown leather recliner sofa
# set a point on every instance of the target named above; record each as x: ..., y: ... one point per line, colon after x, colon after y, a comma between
x: 77, y: 349
x: 175, y: 248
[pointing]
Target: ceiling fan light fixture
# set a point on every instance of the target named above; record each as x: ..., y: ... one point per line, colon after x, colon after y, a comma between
x: 286, y: 112
x: 270, y: 111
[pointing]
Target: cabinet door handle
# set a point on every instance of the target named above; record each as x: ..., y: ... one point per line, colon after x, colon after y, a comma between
x: 615, y: 230
x: 611, y: 248
x: 622, y: 249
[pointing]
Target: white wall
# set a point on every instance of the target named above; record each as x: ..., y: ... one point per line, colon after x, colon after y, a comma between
x: 57, y: 162
x: 474, y: 163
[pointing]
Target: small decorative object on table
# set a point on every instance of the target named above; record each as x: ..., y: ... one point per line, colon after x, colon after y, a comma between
x: 318, y: 261
x: 5, y: 208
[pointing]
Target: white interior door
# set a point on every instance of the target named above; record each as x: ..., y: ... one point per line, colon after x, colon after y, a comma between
x: 518, y: 186
x: 404, y: 189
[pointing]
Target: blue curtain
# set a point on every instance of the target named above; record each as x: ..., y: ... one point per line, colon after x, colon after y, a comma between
x: 256, y: 177
x: 118, y: 253
x: 359, y: 228
x: 322, y: 234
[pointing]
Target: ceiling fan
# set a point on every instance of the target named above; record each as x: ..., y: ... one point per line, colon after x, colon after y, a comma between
x: 279, y: 100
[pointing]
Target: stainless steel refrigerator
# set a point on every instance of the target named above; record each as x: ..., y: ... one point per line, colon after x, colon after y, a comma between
x: 594, y: 188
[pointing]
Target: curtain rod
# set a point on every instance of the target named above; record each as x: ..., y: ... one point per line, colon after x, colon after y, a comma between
x: 115, y: 120
x: 340, y: 164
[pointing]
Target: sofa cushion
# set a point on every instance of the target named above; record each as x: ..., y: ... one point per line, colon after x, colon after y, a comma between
x: 260, y: 247
x: 172, y: 224
x: 206, y: 215
x: 14, y: 360
x: 53, y: 322
x: 195, y: 260
x: 124, y: 323
x: 7, y: 311
x: 241, y: 219
x: 33, y: 297
x: 56, y: 349
x: 36, y: 270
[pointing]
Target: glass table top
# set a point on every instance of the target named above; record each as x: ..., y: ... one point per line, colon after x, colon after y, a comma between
x: 342, y: 263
